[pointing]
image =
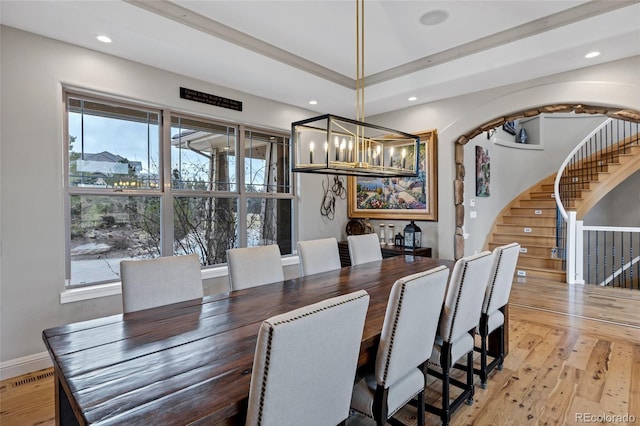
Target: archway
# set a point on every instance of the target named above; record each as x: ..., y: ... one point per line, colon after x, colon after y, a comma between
x: 458, y: 197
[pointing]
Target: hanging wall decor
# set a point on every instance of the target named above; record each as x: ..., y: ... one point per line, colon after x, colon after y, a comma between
x: 402, y: 198
x: 483, y: 172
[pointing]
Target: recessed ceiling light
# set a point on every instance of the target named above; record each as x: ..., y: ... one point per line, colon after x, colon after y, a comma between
x: 591, y: 55
x: 412, y: 98
x: 434, y: 17
x: 103, y: 38
x: 313, y: 102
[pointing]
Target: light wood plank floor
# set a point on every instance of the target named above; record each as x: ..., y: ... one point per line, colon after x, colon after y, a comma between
x: 575, y: 351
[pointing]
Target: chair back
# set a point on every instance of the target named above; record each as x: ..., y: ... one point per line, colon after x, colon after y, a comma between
x: 155, y: 282
x: 364, y: 248
x: 254, y: 266
x: 465, y: 295
x: 505, y: 259
x: 305, y: 363
x: 318, y: 256
x: 410, y: 324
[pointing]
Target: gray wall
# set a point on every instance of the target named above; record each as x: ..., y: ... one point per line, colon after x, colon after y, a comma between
x: 626, y: 198
x: 518, y: 165
x: 615, y: 83
x: 33, y: 70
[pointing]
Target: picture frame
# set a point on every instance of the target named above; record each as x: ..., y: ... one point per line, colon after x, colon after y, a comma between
x: 400, y: 198
x: 483, y: 172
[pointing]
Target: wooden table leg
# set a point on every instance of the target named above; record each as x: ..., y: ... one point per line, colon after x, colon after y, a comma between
x: 64, y: 413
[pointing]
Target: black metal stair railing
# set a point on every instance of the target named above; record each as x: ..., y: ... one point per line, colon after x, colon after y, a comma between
x: 593, y: 156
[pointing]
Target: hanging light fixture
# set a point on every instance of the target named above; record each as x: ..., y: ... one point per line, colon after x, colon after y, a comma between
x: 329, y: 144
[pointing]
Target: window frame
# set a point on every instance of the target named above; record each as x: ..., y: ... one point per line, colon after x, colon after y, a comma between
x: 164, y: 192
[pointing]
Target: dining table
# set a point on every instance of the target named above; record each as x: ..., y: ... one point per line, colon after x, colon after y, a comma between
x: 191, y: 362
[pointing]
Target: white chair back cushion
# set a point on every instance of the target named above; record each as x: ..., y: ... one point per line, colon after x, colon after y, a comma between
x: 410, y: 324
x: 318, y: 256
x: 364, y: 248
x: 505, y: 259
x: 465, y: 295
x: 254, y: 266
x: 305, y: 363
x: 156, y: 282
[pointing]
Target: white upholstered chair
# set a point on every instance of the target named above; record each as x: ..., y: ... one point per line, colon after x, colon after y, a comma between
x: 318, y: 256
x: 496, y: 298
x: 305, y: 363
x: 406, y: 342
x: 458, y: 322
x: 254, y: 266
x: 155, y: 282
x: 364, y: 248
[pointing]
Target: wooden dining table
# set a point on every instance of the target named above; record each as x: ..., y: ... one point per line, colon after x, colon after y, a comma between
x: 190, y: 362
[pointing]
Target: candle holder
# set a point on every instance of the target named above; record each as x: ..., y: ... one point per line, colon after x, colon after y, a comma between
x: 382, y: 235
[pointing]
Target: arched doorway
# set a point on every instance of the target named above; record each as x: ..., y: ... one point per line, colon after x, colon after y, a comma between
x: 458, y: 196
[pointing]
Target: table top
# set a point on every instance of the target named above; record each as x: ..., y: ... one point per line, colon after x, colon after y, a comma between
x: 191, y: 361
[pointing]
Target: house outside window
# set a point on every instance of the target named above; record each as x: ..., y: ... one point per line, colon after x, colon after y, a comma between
x: 138, y: 189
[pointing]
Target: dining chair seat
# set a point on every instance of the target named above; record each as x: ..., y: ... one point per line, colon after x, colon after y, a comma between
x: 149, y: 283
x: 317, y: 256
x: 364, y: 248
x: 254, y: 266
x: 305, y: 363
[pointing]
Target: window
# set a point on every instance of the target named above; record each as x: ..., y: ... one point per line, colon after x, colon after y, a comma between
x: 139, y: 189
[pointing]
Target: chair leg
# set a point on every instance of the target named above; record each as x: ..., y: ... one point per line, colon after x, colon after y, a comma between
x: 501, y: 355
x: 470, y: 377
x: 483, y: 360
x: 445, y: 362
x: 420, y: 413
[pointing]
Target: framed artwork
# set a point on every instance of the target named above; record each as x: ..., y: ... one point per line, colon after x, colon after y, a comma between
x: 399, y: 198
x: 483, y: 172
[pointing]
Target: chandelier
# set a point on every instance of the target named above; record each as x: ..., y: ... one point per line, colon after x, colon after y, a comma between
x: 329, y: 144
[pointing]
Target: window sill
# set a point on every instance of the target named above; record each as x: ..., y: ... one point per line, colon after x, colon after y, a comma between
x: 114, y: 289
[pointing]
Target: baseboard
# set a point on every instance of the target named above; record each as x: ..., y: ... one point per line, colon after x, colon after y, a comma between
x: 24, y: 365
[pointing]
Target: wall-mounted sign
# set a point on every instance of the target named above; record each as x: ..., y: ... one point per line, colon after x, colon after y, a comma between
x: 207, y: 98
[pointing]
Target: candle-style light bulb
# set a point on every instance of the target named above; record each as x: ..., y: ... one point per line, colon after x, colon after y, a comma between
x: 378, y: 151
x: 391, y: 157
x: 404, y: 154
x: 311, y: 147
x: 326, y: 151
x: 336, y: 142
x: 350, y: 150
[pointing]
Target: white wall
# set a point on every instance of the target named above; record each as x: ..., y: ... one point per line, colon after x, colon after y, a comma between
x: 519, y: 166
x: 33, y: 70
x: 612, y: 84
x: 626, y: 198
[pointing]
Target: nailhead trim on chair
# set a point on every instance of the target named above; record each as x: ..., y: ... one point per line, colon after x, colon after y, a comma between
x: 455, y: 308
x: 393, y: 333
x: 270, y: 339
x: 493, y: 282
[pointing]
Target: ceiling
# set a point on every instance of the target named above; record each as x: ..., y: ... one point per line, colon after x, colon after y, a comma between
x: 296, y: 51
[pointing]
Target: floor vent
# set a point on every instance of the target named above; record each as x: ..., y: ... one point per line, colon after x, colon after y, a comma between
x: 31, y: 379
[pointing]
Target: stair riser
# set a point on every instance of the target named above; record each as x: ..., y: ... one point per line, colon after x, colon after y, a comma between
x: 547, y: 275
x: 535, y: 251
x: 529, y: 221
x: 535, y: 262
x: 538, y: 204
x: 542, y: 195
x: 520, y: 230
x: 524, y: 240
x: 529, y: 212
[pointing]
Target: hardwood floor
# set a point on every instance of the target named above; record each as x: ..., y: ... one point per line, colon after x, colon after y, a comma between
x: 575, y: 355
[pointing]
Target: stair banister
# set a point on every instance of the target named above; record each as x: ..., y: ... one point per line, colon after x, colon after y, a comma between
x: 573, y: 250
x: 556, y: 184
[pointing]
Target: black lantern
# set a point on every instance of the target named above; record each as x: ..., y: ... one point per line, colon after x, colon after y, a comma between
x: 399, y: 240
x: 412, y: 236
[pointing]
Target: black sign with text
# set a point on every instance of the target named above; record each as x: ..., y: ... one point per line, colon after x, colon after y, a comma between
x: 207, y: 98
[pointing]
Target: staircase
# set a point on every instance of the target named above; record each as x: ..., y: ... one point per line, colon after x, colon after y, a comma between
x: 530, y: 218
